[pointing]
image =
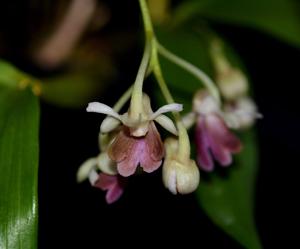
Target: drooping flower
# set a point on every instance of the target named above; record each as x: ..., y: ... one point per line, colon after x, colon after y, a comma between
x: 232, y: 83
x: 213, y: 138
x: 138, y: 141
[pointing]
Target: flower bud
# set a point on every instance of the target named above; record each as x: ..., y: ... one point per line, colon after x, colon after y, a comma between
x: 179, y: 176
x: 232, y: 83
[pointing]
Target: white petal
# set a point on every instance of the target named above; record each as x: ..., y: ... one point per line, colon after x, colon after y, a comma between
x: 188, y: 120
x: 102, y: 108
x: 109, y: 124
x: 93, y: 177
x: 85, y: 169
x: 167, y: 123
x: 167, y: 108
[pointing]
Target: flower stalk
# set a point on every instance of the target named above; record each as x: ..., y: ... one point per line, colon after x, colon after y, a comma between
x: 146, y: 20
x: 197, y: 72
x: 136, y: 106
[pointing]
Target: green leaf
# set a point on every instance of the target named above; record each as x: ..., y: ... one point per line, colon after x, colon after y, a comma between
x: 276, y: 17
x: 19, y: 122
x: 227, y: 201
x: 10, y: 76
x: 71, y: 90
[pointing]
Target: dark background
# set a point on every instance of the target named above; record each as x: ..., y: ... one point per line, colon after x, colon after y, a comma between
x: 75, y: 215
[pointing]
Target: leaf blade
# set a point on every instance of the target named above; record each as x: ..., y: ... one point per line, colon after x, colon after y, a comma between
x: 71, y: 90
x: 228, y: 201
x: 19, y: 117
x: 278, y: 18
x: 10, y: 76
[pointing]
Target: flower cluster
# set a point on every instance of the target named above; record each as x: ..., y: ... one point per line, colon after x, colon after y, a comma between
x: 131, y: 139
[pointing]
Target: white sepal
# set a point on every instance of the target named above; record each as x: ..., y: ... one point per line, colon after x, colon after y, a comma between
x: 106, y: 165
x: 188, y: 120
x: 102, y: 108
x: 93, y: 177
x: 167, y: 108
x: 167, y: 123
x: 109, y: 124
x: 85, y: 169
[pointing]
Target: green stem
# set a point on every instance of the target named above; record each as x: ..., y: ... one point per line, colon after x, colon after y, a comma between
x: 183, y: 138
x: 136, y: 103
x: 160, y: 79
x: 184, y: 151
x: 124, y: 98
x: 146, y: 20
x: 199, y: 74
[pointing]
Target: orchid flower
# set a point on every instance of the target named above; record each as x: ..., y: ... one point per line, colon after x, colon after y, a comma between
x: 106, y: 180
x: 138, y: 141
x: 213, y: 138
